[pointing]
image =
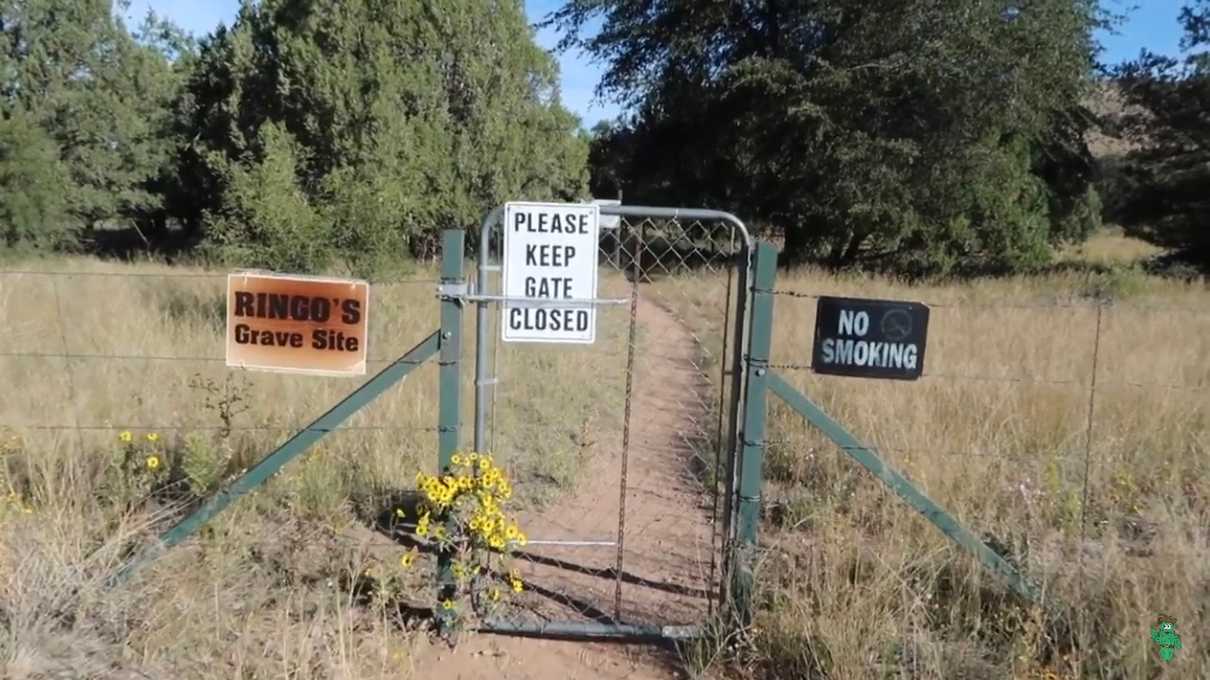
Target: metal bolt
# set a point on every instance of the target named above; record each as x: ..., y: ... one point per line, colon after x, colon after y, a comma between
x: 760, y: 371
x: 447, y: 335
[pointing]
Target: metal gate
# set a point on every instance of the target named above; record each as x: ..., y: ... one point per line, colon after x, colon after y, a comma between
x: 628, y: 503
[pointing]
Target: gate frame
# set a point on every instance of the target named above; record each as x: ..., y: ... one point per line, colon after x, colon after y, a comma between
x: 737, y: 470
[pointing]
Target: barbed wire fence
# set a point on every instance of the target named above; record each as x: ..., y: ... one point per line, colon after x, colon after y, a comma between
x: 55, y: 316
x: 105, y: 326
x: 1118, y: 341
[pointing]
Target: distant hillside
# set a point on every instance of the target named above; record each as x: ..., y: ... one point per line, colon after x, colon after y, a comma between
x: 1108, y: 103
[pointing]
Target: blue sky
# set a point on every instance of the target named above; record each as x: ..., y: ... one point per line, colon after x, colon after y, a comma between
x: 1152, y: 25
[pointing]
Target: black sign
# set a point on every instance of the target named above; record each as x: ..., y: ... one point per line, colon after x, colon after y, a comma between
x: 870, y: 338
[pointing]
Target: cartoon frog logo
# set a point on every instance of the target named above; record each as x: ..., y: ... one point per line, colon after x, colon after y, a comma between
x: 1164, y: 635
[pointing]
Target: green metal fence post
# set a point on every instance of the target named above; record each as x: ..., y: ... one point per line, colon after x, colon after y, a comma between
x: 753, y: 434
x: 453, y: 283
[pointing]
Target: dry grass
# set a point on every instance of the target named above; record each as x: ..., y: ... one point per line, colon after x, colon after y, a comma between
x: 1111, y: 247
x: 288, y: 582
x: 857, y: 585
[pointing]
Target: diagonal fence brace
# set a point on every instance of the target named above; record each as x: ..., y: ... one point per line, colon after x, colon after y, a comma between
x: 291, y: 449
x: 870, y: 460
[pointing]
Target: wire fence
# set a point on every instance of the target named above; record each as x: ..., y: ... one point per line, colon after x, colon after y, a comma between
x: 1066, y: 417
x: 97, y: 352
x: 1105, y: 404
x: 1099, y: 307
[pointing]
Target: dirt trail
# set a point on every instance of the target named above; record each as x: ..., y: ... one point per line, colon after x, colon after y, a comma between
x: 666, y: 562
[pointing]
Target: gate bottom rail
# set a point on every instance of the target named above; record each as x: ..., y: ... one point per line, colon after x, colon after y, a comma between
x: 589, y: 630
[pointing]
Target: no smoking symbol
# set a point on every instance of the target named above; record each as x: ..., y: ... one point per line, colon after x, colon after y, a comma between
x: 896, y: 324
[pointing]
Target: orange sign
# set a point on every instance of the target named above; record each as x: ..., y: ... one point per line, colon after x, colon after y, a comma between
x: 297, y: 324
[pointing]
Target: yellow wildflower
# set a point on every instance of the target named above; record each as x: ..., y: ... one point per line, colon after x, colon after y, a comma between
x: 447, y: 605
x: 408, y: 559
x: 153, y: 462
x: 153, y: 437
x: 517, y: 585
x: 456, y: 460
x: 126, y: 437
x: 474, y: 458
x: 439, y: 533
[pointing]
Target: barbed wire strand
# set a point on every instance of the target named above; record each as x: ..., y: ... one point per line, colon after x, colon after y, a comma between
x: 1056, y: 305
x: 217, y: 428
x: 1101, y: 382
x: 824, y: 446
x: 169, y: 275
x: 152, y: 357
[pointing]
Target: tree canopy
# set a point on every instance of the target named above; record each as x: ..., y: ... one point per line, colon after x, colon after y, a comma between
x: 1161, y: 186
x: 919, y: 136
x: 362, y: 127
x: 84, y: 106
x: 925, y: 135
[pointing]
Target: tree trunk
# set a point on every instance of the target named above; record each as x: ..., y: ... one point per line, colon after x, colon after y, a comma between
x: 850, y: 253
x: 773, y: 27
x: 845, y: 252
x: 797, y: 245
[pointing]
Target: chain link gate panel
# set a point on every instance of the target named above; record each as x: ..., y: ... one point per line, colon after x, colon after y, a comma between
x: 624, y: 500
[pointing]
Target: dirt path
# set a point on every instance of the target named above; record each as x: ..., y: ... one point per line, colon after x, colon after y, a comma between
x: 666, y: 561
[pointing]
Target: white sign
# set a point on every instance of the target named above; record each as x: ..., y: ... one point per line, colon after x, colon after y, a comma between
x: 550, y: 252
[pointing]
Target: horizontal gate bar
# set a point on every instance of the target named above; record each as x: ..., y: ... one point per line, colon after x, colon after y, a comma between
x: 870, y: 460
x: 592, y: 630
x: 583, y: 543
x: 545, y: 302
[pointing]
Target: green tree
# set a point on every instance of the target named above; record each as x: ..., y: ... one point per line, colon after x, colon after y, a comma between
x: 75, y: 71
x: 33, y: 187
x: 923, y: 135
x: 401, y: 118
x: 1160, y: 189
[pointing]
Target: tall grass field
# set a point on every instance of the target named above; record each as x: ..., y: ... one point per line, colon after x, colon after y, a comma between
x: 1096, y: 485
